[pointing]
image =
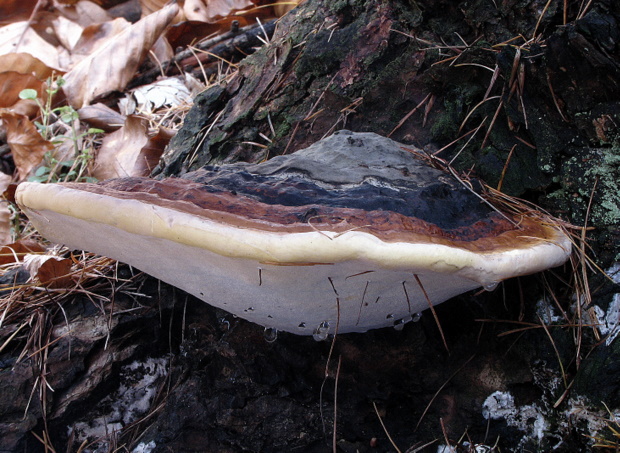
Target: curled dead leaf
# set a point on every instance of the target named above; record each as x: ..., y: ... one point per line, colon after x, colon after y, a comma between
x: 130, y: 151
x: 19, y: 71
x: 27, y: 145
x: 19, y: 37
x: 51, y: 271
x: 12, y: 83
x: 5, y: 213
x: 15, y: 252
x: 16, y: 10
x: 212, y: 10
x: 102, y: 117
x: 24, y: 63
x: 114, y: 64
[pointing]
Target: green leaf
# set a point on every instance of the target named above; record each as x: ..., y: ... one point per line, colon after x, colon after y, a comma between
x: 68, y: 114
x: 42, y: 171
x: 28, y: 93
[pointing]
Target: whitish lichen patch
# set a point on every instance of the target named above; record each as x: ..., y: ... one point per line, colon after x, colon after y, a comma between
x: 547, y: 312
x: 144, y: 448
x: 607, y: 321
x: 127, y: 404
x: 527, y: 418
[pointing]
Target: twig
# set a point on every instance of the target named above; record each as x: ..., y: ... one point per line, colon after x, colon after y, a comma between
x: 430, y: 305
x: 428, y: 406
x: 408, y: 115
x: 385, y: 429
x: 334, y: 435
x: 223, y: 46
x: 542, y: 14
x: 501, y: 178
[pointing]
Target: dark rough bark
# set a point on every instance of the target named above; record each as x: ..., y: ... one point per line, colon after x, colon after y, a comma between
x: 365, y: 65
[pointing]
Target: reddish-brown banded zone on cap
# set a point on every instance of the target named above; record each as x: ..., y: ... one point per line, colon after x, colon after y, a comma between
x: 493, y: 233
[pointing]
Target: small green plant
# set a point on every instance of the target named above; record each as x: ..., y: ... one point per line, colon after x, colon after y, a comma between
x: 60, y: 125
x: 54, y: 170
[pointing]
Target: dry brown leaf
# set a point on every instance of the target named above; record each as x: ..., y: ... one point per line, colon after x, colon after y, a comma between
x: 85, y: 13
x: 150, y: 6
x: 121, y: 150
x: 19, y: 71
x: 97, y: 36
x: 112, y: 66
x: 102, y: 117
x: 161, y: 51
x: 19, y: 37
x: 131, y: 151
x: 5, y: 213
x: 27, y: 145
x: 12, y: 83
x: 15, y: 252
x: 67, y: 31
x: 16, y: 10
x: 24, y: 63
x: 51, y: 271
x: 153, y: 150
x: 212, y: 10
x: 26, y: 107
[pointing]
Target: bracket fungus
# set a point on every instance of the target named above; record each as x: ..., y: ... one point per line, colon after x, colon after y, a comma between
x: 352, y: 231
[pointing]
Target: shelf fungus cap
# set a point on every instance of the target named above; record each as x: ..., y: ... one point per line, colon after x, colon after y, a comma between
x: 353, y: 230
